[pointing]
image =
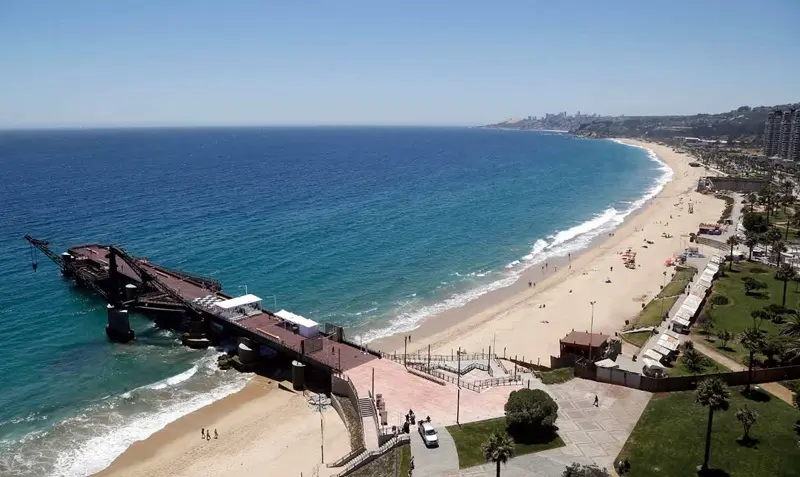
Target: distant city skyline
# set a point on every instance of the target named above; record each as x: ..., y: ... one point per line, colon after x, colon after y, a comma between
x: 106, y: 64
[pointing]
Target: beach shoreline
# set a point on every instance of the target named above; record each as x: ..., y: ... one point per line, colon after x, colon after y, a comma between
x: 509, y: 318
x: 494, y: 318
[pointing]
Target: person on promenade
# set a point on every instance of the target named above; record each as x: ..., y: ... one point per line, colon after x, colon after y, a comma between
x: 596, y: 401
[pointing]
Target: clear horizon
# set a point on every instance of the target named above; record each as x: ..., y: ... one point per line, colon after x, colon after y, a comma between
x: 90, y: 64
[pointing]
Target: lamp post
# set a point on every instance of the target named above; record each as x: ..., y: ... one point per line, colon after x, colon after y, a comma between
x: 662, y: 289
x: 591, y: 329
x: 245, y: 288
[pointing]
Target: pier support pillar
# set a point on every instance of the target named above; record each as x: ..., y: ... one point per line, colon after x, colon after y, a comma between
x: 118, y: 328
x: 130, y: 291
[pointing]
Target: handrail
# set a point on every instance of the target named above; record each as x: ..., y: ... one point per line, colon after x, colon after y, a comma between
x: 367, y: 457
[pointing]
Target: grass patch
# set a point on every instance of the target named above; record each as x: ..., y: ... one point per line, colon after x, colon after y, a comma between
x: 405, y: 458
x: 637, y: 339
x: 735, y: 316
x: 680, y: 369
x: 469, y: 439
x: 678, y: 283
x: 561, y: 375
x: 654, y: 311
x: 669, y: 438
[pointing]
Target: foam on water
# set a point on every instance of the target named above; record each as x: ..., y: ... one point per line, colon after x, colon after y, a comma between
x: 105, y: 429
x: 410, y: 315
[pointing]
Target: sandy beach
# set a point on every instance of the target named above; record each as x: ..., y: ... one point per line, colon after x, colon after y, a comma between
x: 268, y: 431
x: 512, y: 317
x: 263, y: 430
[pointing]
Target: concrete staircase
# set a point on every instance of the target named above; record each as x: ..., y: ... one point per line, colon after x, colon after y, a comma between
x: 369, y: 420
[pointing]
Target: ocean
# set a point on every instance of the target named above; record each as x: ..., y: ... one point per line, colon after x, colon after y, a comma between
x: 374, y: 229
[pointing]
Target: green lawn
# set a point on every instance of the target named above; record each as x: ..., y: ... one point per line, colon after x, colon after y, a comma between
x: 637, y: 339
x: 561, y: 375
x: 678, y: 283
x: 652, y: 313
x: 735, y: 316
x: 679, y: 369
x: 405, y: 459
x: 669, y: 439
x: 469, y: 439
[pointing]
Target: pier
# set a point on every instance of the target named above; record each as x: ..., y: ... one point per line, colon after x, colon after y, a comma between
x: 198, y: 305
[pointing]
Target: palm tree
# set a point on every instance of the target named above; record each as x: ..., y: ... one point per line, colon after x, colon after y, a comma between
x: 793, y: 327
x: 751, y: 339
x: 752, y: 198
x: 778, y: 247
x: 714, y: 394
x: 784, y: 274
x: 732, y: 241
x: 751, y: 239
x: 747, y: 417
x: 499, y: 448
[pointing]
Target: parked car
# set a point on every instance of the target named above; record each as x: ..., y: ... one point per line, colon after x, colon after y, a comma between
x: 428, y: 434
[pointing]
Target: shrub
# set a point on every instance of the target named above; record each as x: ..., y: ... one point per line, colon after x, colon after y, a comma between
x: 720, y: 300
x: 530, y: 410
x: 578, y: 470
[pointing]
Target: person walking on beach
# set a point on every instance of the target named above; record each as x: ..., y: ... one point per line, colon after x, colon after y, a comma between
x: 596, y: 401
x: 530, y: 284
x: 203, y: 433
x: 208, y: 435
x: 216, y: 436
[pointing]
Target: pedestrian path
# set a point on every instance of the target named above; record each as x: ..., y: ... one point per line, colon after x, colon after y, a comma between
x: 775, y: 389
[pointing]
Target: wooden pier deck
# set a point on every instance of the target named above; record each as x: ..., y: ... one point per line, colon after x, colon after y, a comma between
x: 264, y: 327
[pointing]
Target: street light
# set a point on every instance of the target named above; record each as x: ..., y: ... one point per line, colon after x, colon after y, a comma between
x: 245, y: 288
x: 662, y: 289
x: 591, y: 329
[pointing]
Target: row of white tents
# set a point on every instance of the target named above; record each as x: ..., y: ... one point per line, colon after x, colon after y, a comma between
x: 697, y: 293
x: 669, y: 341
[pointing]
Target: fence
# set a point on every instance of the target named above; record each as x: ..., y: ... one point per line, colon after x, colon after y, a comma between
x: 475, y: 386
x: 423, y: 356
x: 355, y: 427
x: 681, y: 383
x: 367, y: 457
x: 311, y: 345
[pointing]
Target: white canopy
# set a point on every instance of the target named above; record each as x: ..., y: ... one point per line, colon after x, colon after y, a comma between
x: 661, y: 349
x: 607, y: 363
x: 681, y: 321
x: 243, y: 300
x: 654, y: 355
x: 308, y: 328
x: 652, y: 364
x: 668, y: 342
x: 671, y: 333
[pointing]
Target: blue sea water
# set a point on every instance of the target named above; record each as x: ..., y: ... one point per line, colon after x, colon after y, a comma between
x: 371, y: 228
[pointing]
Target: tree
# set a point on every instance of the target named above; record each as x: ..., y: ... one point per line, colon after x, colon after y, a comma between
x: 785, y: 273
x: 732, y: 241
x: 747, y: 417
x: 773, y: 345
x: 751, y: 339
x: 775, y: 312
x: 751, y: 285
x: 755, y: 223
x: 694, y: 360
x: 713, y: 394
x: 724, y: 336
x: 498, y: 449
x: 796, y: 400
x: 530, y: 410
x: 752, y: 198
x: 793, y: 327
x: 778, y: 247
x: 751, y: 239
x: 706, y: 321
x: 579, y: 470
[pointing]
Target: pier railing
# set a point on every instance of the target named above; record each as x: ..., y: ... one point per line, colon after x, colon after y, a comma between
x: 475, y: 386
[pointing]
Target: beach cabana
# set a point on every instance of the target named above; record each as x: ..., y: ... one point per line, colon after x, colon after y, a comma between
x: 305, y: 327
x: 654, y: 355
x: 681, y: 324
x: 239, y: 307
x: 652, y: 368
x: 607, y: 363
x: 671, y: 333
x: 578, y: 343
x: 661, y: 350
x: 668, y: 342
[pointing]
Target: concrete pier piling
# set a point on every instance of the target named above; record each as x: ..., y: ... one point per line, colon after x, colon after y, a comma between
x: 118, y: 328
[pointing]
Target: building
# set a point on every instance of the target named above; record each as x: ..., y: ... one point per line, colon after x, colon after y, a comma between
x: 794, y: 143
x: 782, y: 134
x: 772, y: 133
x: 579, y: 343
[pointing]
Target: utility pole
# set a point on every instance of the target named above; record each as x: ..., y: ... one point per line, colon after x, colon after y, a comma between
x: 405, y: 349
x: 591, y: 330
x: 458, y: 398
x: 662, y: 289
x: 321, y: 429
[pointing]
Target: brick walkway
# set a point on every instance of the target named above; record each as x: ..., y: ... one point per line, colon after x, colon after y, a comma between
x: 593, y: 435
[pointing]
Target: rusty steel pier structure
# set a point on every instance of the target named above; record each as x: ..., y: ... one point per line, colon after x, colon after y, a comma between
x: 197, y: 305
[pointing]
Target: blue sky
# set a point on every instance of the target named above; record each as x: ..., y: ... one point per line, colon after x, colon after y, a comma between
x: 114, y: 63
